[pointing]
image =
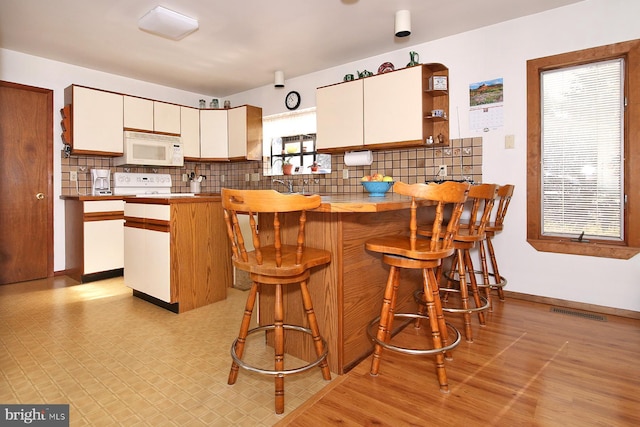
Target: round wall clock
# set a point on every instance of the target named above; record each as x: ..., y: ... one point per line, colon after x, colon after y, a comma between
x: 292, y: 101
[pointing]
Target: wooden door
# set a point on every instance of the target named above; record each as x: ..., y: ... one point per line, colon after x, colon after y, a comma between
x: 26, y: 183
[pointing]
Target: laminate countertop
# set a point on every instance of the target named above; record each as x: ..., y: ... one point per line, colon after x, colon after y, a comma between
x: 337, y: 202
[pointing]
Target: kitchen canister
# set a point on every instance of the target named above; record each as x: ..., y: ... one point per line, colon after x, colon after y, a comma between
x: 195, y: 187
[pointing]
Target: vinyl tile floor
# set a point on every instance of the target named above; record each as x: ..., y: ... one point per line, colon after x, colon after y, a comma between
x: 119, y: 360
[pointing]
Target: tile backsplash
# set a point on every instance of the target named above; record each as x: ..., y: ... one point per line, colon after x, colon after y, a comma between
x: 463, y: 158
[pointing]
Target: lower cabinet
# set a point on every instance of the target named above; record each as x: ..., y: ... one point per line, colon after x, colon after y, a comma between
x: 94, y: 239
x: 176, y: 254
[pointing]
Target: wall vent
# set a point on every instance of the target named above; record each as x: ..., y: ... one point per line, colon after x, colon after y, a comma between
x: 585, y: 315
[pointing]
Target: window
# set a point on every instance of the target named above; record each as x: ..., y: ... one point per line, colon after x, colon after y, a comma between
x: 584, y: 153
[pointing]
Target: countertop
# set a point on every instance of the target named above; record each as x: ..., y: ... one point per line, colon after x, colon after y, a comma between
x: 338, y: 202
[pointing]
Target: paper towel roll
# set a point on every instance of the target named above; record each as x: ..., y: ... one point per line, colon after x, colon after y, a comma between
x: 358, y: 158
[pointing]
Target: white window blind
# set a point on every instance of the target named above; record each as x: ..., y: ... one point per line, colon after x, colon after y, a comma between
x: 582, y: 151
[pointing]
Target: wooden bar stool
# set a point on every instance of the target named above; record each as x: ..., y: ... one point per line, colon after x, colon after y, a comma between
x: 411, y: 252
x: 492, y: 279
x: 471, y: 230
x: 275, y: 265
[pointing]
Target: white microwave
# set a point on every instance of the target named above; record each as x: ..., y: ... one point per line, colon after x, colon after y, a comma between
x: 150, y: 149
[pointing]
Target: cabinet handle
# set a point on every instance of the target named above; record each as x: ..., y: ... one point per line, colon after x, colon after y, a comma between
x: 40, y: 196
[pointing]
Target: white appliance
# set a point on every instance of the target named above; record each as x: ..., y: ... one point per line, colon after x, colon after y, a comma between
x: 144, y: 185
x: 150, y: 149
x: 100, y: 182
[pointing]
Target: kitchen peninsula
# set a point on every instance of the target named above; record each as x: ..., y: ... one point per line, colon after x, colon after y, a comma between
x: 347, y: 293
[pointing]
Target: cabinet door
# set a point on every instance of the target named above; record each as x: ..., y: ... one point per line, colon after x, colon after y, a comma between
x: 214, y: 135
x: 190, y: 132
x: 339, y: 115
x: 103, y: 238
x: 393, y: 110
x: 147, y: 262
x: 166, y: 117
x: 138, y: 113
x: 97, y: 122
x: 237, y: 125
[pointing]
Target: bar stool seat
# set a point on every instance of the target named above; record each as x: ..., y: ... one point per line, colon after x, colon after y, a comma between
x: 411, y: 252
x: 274, y: 265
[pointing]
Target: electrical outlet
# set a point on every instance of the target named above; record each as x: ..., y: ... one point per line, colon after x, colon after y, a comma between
x: 442, y: 170
x: 247, y: 177
x: 73, y: 176
x: 509, y: 141
x: 345, y: 173
x: 221, y: 178
x: 185, y: 177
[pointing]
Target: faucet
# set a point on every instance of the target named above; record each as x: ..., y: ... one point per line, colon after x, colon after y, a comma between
x: 288, y: 184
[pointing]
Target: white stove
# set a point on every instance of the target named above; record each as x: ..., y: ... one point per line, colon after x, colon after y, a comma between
x: 138, y: 184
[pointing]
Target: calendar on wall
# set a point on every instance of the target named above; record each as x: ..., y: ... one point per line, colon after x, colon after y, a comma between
x: 486, y: 105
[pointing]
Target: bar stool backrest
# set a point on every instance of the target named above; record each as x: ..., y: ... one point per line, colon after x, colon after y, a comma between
x: 483, y: 197
x: 505, y: 192
x: 252, y: 202
x: 444, y: 194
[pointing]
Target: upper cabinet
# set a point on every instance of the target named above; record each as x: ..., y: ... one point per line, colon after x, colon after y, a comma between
x: 233, y: 134
x: 92, y: 121
x: 389, y: 110
x: 245, y: 133
x: 190, y: 132
x: 154, y: 116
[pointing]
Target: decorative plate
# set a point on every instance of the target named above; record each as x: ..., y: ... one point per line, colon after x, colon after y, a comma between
x: 385, y: 68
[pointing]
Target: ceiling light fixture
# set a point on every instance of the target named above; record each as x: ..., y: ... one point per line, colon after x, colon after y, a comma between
x: 279, y: 79
x: 167, y: 23
x: 403, y: 23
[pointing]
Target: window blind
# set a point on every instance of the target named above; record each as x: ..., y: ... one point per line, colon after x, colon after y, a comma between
x: 582, y: 151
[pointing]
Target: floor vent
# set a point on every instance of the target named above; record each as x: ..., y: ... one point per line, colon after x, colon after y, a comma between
x: 590, y: 316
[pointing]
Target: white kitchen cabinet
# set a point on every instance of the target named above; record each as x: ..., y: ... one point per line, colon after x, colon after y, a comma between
x: 245, y: 133
x: 154, y: 116
x: 214, y: 135
x: 166, y: 117
x: 190, y: 132
x: 390, y: 110
x: 93, y: 121
x: 393, y: 107
x: 94, y: 238
x: 339, y: 115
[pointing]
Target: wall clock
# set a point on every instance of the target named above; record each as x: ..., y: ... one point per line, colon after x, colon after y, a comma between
x: 292, y: 101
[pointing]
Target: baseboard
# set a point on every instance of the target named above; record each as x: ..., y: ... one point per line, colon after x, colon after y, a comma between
x: 575, y: 305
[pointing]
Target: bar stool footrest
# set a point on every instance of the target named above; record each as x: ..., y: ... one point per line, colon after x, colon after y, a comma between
x: 413, y: 351
x: 502, y: 284
x: 283, y: 372
x: 417, y: 296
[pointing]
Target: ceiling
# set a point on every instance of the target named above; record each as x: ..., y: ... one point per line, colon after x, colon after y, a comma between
x: 239, y: 44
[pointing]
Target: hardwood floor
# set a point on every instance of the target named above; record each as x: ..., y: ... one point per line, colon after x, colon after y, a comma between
x: 529, y: 366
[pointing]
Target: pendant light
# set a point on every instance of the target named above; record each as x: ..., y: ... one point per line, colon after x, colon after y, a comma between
x: 279, y: 79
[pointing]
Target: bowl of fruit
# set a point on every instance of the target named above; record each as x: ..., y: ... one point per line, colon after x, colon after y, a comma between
x: 377, y: 184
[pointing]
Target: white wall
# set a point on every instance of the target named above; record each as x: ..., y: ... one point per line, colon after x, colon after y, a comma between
x: 502, y: 51
x: 34, y: 71
x: 497, y: 51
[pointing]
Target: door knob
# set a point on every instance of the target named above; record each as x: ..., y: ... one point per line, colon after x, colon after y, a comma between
x: 40, y: 196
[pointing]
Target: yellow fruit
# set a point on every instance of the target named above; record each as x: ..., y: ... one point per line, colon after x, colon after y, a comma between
x: 377, y: 177
x: 366, y: 178
x: 387, y: 178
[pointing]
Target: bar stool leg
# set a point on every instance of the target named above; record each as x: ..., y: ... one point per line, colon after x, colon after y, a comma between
x: 431, y: 280
x: 278, y: 344
x: 315, y: 330
x: 436, y: 322
x: 486, y: 285
x: 494, y: 265
x: 474, y: 285
x: 386, y: 318
x: 464, y: 294
x: 244, y: 328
